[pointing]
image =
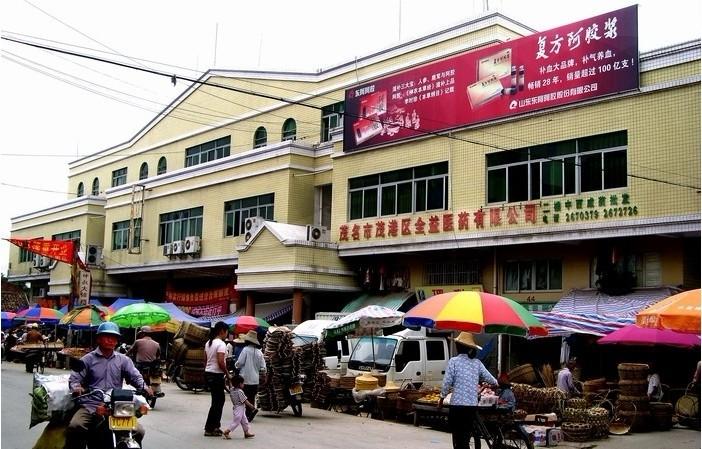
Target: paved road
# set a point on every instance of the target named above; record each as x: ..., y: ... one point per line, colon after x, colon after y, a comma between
x: 178, y: 420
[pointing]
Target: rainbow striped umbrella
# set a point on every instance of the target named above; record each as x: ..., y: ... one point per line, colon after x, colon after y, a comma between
x: 7, y: 318
x: 86, y: 316
x: 477, y: 312
x: 244, y: 323
x: 37, y: 313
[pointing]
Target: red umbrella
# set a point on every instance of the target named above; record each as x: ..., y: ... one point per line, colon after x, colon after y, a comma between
x: 635, y: 335
x: 244, y: 323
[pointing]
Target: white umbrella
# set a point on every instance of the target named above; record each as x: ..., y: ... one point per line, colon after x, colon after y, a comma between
x: 364, y: 320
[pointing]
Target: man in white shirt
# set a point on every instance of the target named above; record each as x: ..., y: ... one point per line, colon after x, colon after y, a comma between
x: 250, y: 363
x: 565, y: 379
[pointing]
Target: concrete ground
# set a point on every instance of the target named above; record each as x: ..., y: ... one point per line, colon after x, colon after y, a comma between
x: 177, y: 422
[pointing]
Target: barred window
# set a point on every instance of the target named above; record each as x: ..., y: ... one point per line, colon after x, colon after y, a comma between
x: 533, y: 275
x: 453, y: 273
x: 237, y: 211
x: 208, y: 151
x: 120, y: 234
x: 119, y: 177
x: 180, y: 224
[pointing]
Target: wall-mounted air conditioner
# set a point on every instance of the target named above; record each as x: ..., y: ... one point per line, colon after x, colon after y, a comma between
x: 317, y: 234
x: 192, y: 245
x: 41, y: 261
x: 251, y: 225
x: 167, y: 249
x: 93, y: 255
x: 178, y: 247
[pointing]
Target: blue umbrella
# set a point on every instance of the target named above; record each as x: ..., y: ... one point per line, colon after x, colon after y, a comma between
x: 7, y: 319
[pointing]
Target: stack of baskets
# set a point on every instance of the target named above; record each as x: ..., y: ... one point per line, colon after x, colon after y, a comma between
x: 188, y: 348
x: 537, y: 400
x: 633, y: 401
x: 278, y: 353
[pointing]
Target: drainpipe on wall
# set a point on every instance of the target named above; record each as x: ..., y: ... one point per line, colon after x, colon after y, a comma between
x: 494, y: 290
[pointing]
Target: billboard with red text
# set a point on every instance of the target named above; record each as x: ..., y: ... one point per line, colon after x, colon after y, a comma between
x: 586, y: 59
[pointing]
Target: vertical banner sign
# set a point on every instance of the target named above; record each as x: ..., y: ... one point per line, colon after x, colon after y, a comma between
x: 584, y: 60
x: 84, y: 284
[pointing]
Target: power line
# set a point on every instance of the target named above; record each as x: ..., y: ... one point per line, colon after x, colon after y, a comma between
x: 200, y: 81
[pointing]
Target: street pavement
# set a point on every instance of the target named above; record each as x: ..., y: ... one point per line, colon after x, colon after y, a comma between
x: 177, y: 422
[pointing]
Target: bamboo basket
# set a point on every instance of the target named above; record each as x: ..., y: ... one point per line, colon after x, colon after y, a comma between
x: 632, y: 371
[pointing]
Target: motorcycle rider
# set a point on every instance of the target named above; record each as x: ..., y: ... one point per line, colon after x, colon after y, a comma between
x: 102, y: 369
x: 146, y: 352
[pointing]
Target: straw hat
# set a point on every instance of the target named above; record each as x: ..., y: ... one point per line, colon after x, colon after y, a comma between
x: 251, y: 337
x: 466, y: 339
x: 239, y: 339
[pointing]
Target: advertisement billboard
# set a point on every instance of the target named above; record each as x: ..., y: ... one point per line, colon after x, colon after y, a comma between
x: 584, y: 60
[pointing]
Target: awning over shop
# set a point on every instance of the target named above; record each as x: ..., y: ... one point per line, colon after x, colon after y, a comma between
x: 593, y: 312
x: 393, y: 301
x: 269, y: 311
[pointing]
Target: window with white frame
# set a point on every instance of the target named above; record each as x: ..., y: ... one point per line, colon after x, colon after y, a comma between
x: 208, y: 151
x: 162, y: 165
x: 289, y: 131
x: 568, y: 167
x: 452, y: 273
x: 332, y: 118
x: 533, y: 275
x: 120, y: 234
x: 143, y: 171
x: 180, y: 224
x: 237, y: 211
x: 397, y: 192
x: 119, y: 177
x: 260, y: 137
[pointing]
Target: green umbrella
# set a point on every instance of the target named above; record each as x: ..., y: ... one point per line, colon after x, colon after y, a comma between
x: 140, y: 314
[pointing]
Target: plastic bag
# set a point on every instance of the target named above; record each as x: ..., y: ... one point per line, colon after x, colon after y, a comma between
x: 51, y: 397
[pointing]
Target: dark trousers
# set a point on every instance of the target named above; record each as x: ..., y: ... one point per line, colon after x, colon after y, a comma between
x: 215, y: 382
x: 82, y: 429
x: 250, y: 391
x: 461, y: 423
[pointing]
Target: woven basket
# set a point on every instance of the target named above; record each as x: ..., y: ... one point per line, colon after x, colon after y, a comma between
x: 594, y: 385
x: 637, y: 387
x: 633, y: 402
x: 576, y: 431
x: 523, y: 374
x: 578, y: 403
x: 632, y: 371
x: 662, y: 415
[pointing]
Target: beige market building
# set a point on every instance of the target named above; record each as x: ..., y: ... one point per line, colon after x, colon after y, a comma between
x: 235, y: 198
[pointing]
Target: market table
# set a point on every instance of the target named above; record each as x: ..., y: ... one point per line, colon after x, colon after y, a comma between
x: 430, y: 413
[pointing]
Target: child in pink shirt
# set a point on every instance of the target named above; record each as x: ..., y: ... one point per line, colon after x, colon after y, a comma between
x: 240, y: 403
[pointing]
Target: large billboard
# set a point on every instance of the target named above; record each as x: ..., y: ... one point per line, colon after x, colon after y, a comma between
x: 587, y: 59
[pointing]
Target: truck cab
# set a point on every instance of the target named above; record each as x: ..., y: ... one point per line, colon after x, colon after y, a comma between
x: 405, y: 357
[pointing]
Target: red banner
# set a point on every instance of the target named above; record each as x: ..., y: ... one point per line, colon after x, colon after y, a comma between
x: 587, y: 59
x: 209, y: 302
x: 61, y: 250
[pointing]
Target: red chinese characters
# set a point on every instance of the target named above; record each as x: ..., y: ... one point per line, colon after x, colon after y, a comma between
x: 380, y: 229
x: 344, y: 233
x: 512, y: 215
x: 463, y: 221
x: 392, y: 228
x: 530, y: 213
x: 495, y: 216
x: 356, y: 232
x: 419, y: 226
x: 448, y: 222
x: 367, y: 231
x: 479, y: 218
x: 433, y: 224
x: 406, y: 226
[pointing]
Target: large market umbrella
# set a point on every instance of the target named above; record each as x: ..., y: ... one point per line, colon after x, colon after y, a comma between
x: 7, y: 319
x: 641, y: 336
x: 44, y: 314
x: 140, y: 314
x: 86, y: 316
x: 679, y: 312
x: 477, y: 312
x: 244, y: 323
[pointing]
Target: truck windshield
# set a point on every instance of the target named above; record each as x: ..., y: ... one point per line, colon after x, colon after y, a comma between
x: 362, y: 358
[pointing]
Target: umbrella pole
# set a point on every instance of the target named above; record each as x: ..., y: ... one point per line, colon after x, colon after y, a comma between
x: 373, y: 346
x: 499, y: 353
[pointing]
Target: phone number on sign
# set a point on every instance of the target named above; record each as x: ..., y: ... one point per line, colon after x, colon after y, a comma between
x: 612, y: 212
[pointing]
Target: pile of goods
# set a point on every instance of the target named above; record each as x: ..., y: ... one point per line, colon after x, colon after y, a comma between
x: 366, y: 382
x: 594, y: 389
x: 75, y: 353
x: 284, y: 364
x: 537, y: 400
x: 51, y: 398
x: 633, y: 403
x: 432, y: 397
x: 323, y: 384
x: 188, y: 349
x: 523, y: 374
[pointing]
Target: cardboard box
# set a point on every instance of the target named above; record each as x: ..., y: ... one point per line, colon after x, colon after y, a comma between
x: 544, y: 436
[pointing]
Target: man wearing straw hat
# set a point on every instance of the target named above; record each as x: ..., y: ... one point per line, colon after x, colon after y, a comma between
x: 464, y: 374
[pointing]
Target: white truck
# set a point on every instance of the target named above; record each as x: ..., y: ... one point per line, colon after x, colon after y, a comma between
x: 404, y: 357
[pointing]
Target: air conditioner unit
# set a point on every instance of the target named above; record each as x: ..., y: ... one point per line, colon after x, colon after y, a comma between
x: 167, y: 249
x: 317, y: 234
x: 93, y: 255
x: 192, y: 245
x: 178, y: 246
x: 41, y: 261
x: 251, y: 225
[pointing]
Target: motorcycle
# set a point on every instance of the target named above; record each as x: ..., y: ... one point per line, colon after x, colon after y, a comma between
x: 152, y: 372
x: 119, y: 418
